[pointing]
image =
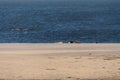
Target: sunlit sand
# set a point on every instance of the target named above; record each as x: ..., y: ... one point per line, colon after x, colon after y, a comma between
x: 60, y: 61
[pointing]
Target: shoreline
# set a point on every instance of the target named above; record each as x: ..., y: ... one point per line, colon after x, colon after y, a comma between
x: 54, y: 61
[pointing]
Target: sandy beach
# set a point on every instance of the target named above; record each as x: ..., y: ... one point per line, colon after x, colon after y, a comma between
x: 60, y: 61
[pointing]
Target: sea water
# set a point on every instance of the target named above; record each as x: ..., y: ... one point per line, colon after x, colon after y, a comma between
x: 49, y: 21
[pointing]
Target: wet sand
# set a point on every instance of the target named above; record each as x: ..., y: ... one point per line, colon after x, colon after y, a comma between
x: 59, y: 61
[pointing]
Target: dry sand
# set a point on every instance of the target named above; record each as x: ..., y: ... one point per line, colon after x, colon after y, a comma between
x: 60, y: 61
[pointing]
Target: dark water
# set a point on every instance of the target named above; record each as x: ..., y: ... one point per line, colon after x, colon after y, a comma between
x: 66, y: 20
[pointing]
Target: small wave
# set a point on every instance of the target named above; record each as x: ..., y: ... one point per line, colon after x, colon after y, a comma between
x: 20, y: 30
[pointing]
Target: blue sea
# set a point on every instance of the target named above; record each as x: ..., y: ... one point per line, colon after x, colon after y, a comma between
x: 49, y: 21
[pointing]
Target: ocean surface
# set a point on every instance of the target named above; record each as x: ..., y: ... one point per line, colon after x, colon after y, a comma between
x: 49, y: 21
